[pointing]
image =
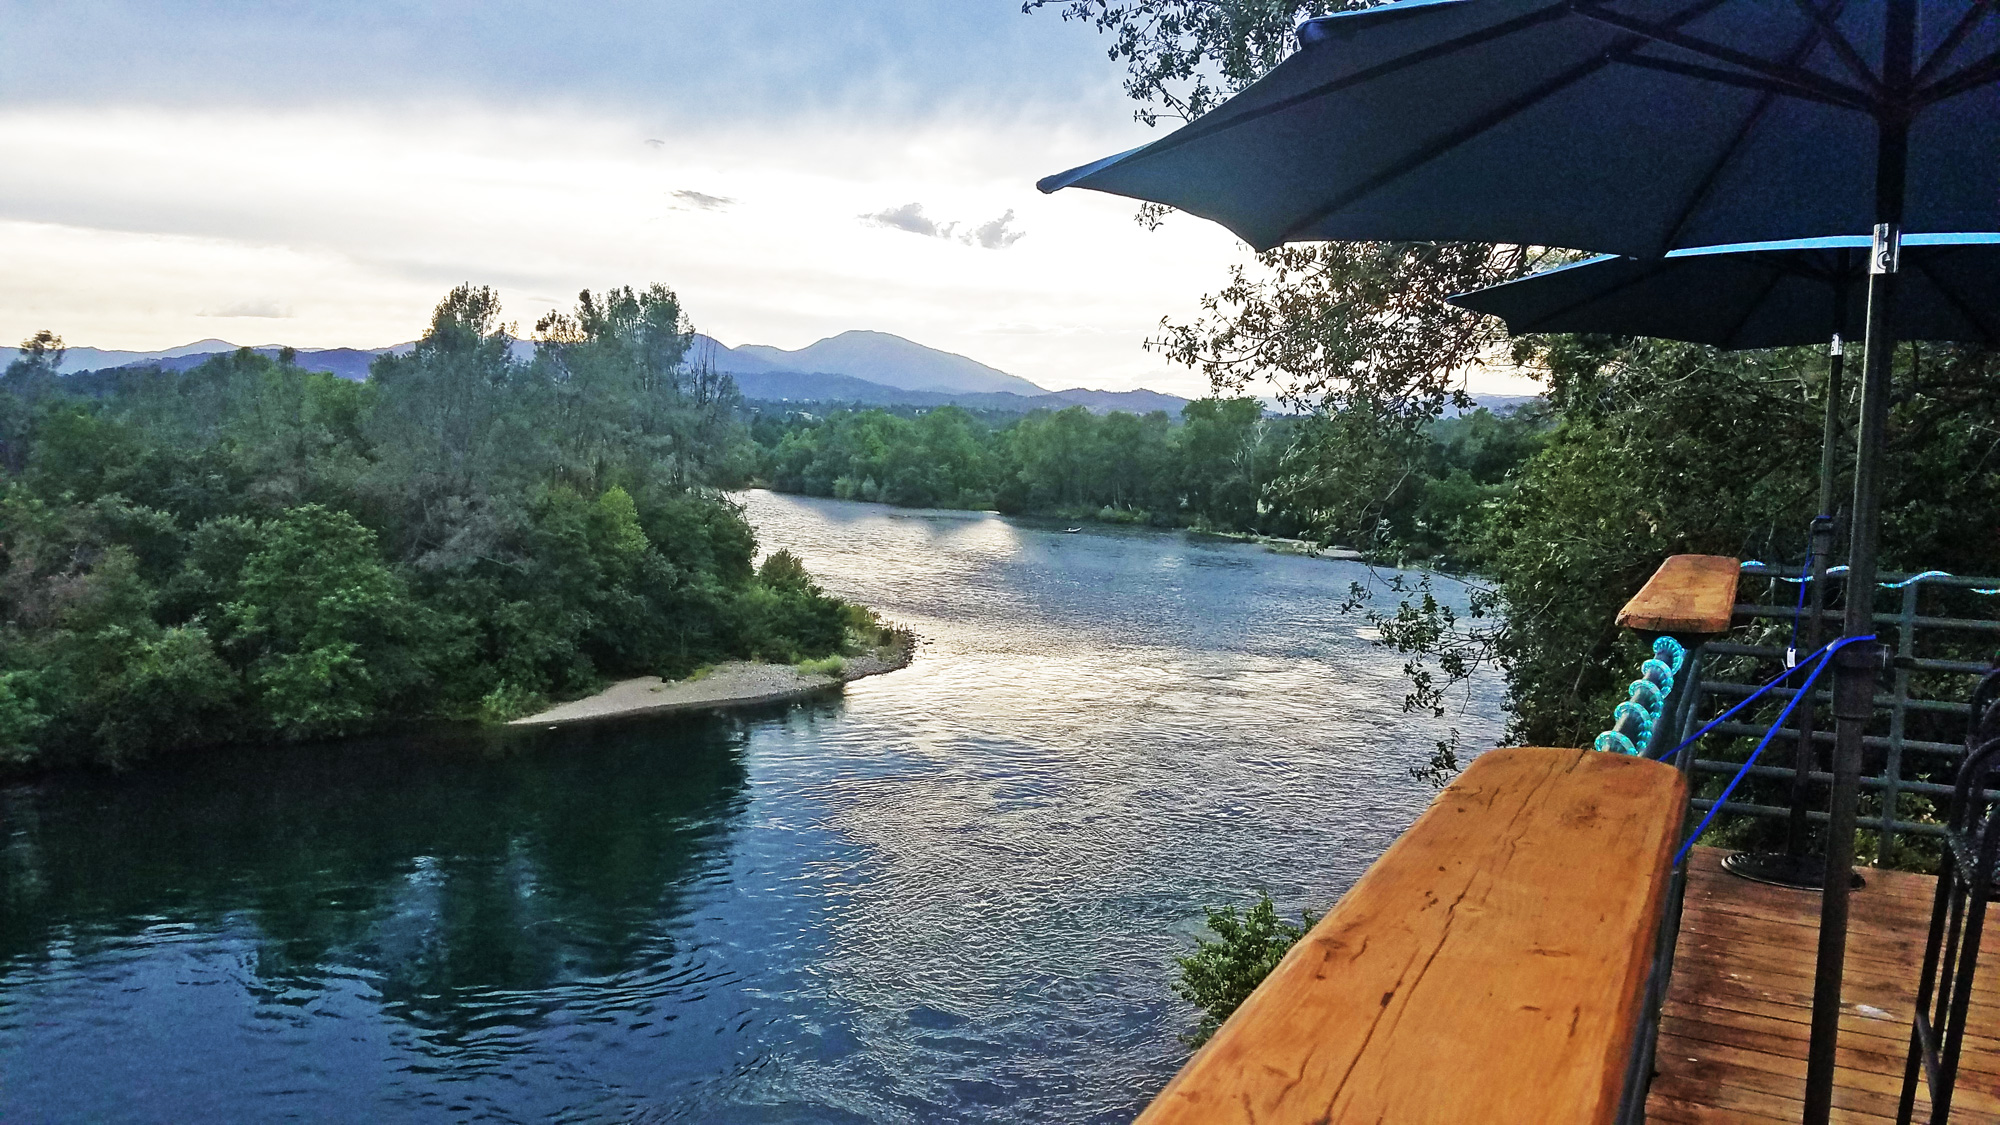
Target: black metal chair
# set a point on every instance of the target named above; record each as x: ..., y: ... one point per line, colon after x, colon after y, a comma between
x: 1958, y: 914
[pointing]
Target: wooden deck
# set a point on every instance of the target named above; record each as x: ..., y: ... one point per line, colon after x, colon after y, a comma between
x: 1733, y: 1032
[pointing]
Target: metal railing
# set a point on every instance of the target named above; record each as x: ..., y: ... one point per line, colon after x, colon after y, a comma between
x: 1929, y: 650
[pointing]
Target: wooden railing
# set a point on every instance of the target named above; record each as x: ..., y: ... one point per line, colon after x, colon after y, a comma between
x: 1489, y: 968
x: 1689, y: 596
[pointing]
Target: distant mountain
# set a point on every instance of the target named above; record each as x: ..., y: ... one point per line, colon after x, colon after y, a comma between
x: 1498, y: 404
x: 1141, y: 401
x: 853, y: 368
x: 348, y: 363
x: 91, y: 359
x: 351, y: 363
x: 877, y: 357
x: 845, y: 390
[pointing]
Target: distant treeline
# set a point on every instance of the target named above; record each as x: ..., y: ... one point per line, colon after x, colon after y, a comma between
x: 1224, y: 464
x: 248, y: 549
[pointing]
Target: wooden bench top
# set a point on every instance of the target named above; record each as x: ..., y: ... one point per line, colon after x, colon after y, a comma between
x: 1486, y: 969
x: 1690, y: 595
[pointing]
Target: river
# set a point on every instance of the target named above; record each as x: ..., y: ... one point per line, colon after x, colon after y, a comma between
x: 952, y: 894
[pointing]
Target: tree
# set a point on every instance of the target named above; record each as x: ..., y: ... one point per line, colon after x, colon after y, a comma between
x: 446, y: 422
x: 1222, y: 443
x: 622, y: 397
x: 29, y: 379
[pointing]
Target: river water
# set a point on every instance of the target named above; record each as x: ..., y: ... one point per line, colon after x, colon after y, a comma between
x: 952, y: 894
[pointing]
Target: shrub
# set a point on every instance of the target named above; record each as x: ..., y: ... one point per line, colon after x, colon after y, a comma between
x: 1220, y: 974
x: 824, y: 666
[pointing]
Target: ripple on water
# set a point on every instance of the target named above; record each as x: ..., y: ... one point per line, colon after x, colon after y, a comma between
x: 953, y: 894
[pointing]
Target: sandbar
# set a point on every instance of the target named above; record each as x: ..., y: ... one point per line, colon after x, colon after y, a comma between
x: 737, y: 683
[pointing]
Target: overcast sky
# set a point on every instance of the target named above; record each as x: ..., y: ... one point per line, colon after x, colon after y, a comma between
x: 319, y: 175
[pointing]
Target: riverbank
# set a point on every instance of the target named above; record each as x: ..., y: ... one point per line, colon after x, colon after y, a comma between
x: 736, y: 683
x: 1279, y: 545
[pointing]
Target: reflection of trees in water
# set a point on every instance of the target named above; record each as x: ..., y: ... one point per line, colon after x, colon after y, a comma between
x: 449, y: 873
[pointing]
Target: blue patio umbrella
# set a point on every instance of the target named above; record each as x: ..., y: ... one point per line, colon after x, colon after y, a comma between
x: 1631, y: 127
x: 1623, y: 126
x: 1762, y: 295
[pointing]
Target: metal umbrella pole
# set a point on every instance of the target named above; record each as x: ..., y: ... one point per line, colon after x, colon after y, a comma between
x: 1855, y: 672
x: 1798, y: 829
x: 1857, y: 665
x: 1795, y: 866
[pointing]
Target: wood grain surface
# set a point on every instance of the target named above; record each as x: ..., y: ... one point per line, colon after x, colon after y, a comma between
x: 1486, y: 969
x: 1690, y: 595
x: 1739, y: 1009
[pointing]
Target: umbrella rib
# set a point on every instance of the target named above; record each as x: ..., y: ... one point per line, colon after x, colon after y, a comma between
x: 1789, y: 75
x: 1950, y: 44
x: 1974, y: 75
x: 1734, y: 78
x: 1840, y: 44
x: 1777, y: 278
x: 1750, y: 120
x: 1970, y: 313
x: 1206, y: 126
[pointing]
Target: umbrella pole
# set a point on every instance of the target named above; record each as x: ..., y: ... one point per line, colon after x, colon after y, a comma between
x: 1855, y: 669
x: 1856, y: 664
x: 1799, y: 833
x: 1795, y: 866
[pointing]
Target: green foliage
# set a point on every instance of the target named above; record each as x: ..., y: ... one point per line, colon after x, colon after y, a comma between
x: 1227, y: 466
x: 20, y: 720
x: 1210, y: 470
x: 327, y: 629
x: 1183, y: 57
x: 1222, y: 971
x: 247, y: 549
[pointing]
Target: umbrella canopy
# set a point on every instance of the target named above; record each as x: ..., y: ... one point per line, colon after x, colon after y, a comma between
x: 1764, y: 295
x: 1625, y: 126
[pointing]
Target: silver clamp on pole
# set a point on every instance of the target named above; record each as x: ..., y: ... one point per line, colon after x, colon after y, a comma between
x: 1888, y: 252
x: 1834, y: 348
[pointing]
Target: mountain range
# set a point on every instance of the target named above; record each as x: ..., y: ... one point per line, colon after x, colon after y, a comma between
x: 859, y: 367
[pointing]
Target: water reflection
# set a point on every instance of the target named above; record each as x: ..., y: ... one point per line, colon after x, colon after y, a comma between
x: 954, y: 894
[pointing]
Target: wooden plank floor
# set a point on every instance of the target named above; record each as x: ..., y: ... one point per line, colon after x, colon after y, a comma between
x: 1738, y: 1013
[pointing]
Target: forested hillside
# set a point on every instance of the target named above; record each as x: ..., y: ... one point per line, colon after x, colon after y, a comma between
x: 248, y: 549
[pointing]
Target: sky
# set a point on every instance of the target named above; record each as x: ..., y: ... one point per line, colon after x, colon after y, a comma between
x: 320, y: 175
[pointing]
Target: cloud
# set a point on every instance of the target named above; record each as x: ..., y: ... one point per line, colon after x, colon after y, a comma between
x: 993, y: 234
x: 911, y: 217
x: 263, y: 308
x: 702, y: 201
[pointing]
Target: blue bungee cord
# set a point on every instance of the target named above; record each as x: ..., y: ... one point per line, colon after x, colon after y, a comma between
x: 1825, y: 656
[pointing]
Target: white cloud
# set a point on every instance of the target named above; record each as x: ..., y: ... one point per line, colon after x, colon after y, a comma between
x: 993, y: 234
x: 910, y: 217
x: 701, y: 200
